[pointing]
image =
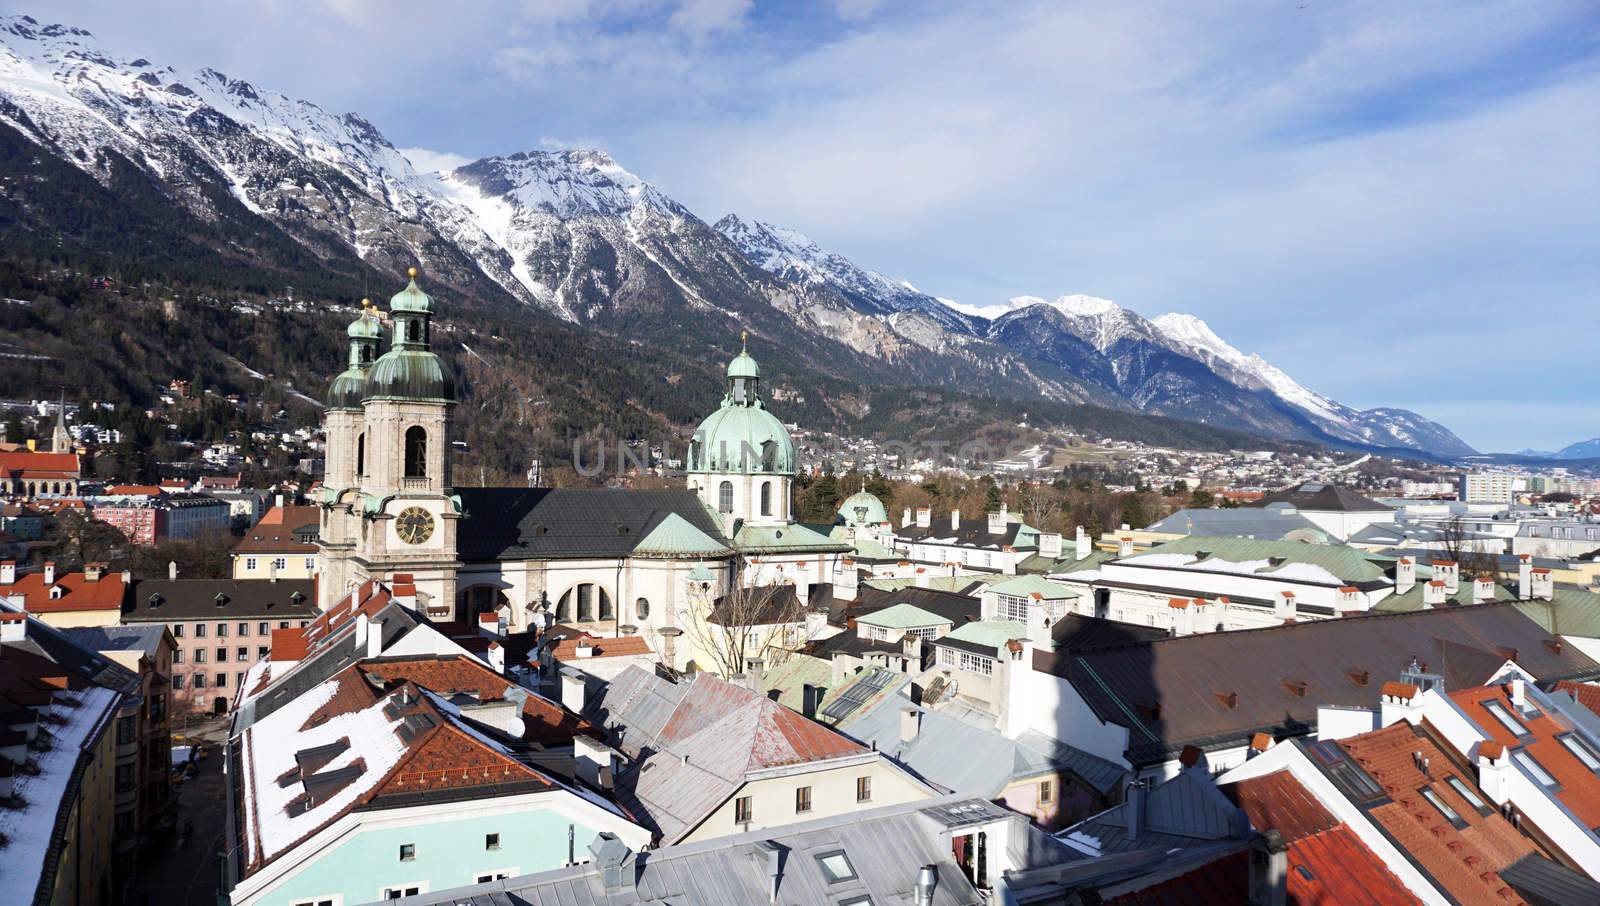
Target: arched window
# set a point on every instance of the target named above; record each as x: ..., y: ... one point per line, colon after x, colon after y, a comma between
x: 606, y: 612
x: 769, y: 456
x: 366, y: 354
x: 641, y: 609
x: 481, y: 599
x: 696, y: 449
x: 416, y: 452
x: 725, y: 497
x: 564, y: 608
x: 361, y: 453
x: 413, y: 331
x: 766, y: 498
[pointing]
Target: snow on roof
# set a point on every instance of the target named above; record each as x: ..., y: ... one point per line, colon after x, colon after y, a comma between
x: 269, y: 753
x: 1301, y: 572
x: 28, y: 830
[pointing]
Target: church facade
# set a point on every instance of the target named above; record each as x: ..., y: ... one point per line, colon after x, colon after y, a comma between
x: 609, y: 562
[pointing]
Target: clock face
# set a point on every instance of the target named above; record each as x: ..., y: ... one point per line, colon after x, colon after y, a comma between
x: 414, y: 525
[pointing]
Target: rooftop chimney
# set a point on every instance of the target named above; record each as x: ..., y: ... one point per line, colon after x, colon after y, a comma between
x: 927, y: 883
x: 572, y: 690
x: 997, y: 521
x: 905, y: 517
x: 610, y: 855
x: 1269, y: 870
x: 50, y: 572
x: 955, y: 520
x: 1405, y: 575
x: 1125, y: 546
x: 1544, y: 586
x: 1433, y: 593
x: 1050, y: 545
x: 1081, y: 545
x: 910, y: 723
x: 172, y: 569
x: 924, y: 516
x: 1285, y: 606
x: 1482, y: 590
x: 8, y: 572
x: 811, y: 696
x: 13, y: 626
x: 93, y: 571
x: 1525, y: 577
x: 754, y: 669
x: 1135, y: 807
x: 1448, y: 571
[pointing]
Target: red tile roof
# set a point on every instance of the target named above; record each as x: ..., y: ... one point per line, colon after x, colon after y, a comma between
x: 622, y: 646
x: 1328, y: 863
x: 133, y: 490
x: 27, y: 462
x: 1393, y: 689
x: 1464, y: 863
x: 288, y: 644
x: 78, y: 594
x: 1580, y: 792
x: 544, y: 721
x: 1224, y: 880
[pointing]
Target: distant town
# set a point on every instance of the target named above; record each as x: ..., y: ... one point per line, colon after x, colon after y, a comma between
x: 355, y: 677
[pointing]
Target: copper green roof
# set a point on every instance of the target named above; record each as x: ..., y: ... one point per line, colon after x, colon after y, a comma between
x: 744, y: 366
x: 989, y: 633
x: 412, y: 298
x: 1348, y: 564
x: 364, y: 327
x: 902, y: 616
x: 1023, y: 586
x: 736, y: 438
x: 348, y: 389
x: 934, y: 583
x: 410, y: 374
x: 675, y: 537
x: 862, y: 508
x: 777, y: 539
x: 1572, y: 611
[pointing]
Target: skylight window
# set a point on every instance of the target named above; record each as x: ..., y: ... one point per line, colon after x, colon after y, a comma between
x: 1582, y: 751
x: 1449, y: 813
x: 1465, y: 792
x: 836, y: 866
x: 1505, y: 717
x: 1534, y: 767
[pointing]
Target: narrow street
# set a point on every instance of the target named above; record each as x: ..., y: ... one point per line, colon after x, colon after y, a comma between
x: 183, y: 872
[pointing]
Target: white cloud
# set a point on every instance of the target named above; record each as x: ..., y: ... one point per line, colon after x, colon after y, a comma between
x: 429, y: 161
x: 701, y: 18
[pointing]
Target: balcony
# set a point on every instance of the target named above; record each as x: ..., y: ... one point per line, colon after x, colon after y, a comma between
x: 416, y: 484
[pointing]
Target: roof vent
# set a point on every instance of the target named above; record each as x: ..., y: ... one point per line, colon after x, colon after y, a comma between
x: 1360, y: 677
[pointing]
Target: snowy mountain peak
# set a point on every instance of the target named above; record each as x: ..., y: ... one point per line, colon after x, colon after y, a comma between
x: 570, y: 183
x: 1082, y: 306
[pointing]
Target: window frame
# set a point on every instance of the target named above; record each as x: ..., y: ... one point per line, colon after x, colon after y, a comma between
x: 1541, y: 774
x: 1432, y: 797
x: 1579, y: 748
x: 1511, y: 723
x: 1465, y: 792
x: 408, y: 852
x: 829, y: 874
x: 744, y: 809
x: 864, y: 788
x: 491, y: 841
x: 802, y: 800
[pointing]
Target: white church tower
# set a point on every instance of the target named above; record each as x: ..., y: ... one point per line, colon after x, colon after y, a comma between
x: 741, y: 458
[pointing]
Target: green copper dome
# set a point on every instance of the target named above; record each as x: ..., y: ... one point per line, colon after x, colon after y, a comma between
x: 739, y: 438
x: 365, y: 327
x: 862, y: 508
x: 743, y: 366
x: 412, y: 298
x: 410, y: 374
x: 348, y: 389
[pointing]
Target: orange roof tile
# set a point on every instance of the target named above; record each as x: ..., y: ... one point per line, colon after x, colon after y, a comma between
x: 288, y: 644
x: 622, y: 646
x: 543, y: 721
x: 1580, y: 793
x: 78, y: 594
x: 1422, y: 831
x: 1394, y: 689
x: 1586, y: 694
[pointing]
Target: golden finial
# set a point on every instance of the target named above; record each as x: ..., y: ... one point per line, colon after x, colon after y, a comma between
x: 412, y: 272
x: 365, y: 304
x: 744, y: 341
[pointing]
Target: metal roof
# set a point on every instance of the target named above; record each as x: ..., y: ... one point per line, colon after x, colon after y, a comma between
x: 555, y: 523
x: 902, y: 616
x: 885, y: 849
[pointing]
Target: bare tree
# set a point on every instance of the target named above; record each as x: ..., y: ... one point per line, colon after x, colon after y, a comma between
x: 1460, y: 545
x: 747, y: 622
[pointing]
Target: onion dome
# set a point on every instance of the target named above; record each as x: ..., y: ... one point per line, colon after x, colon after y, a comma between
x: 412, y: 298
x: 863, y: 508
x: 349, y: 387
x: 742, y: 436
x: 410, y: 374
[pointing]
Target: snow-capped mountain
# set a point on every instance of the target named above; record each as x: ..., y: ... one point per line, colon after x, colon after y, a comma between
x: 1378, y: 427
x: 246, y: 175
x: 793, y: 256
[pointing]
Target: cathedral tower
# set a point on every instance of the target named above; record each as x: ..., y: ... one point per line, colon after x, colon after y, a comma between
x: 741, y: 459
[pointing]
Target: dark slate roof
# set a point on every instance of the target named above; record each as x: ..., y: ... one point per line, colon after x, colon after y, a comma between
x: 118, y: 638
x: 778, y: 604
x: 1545, y: 883
x: 959, y: 609
x: 196, y: 599
x: 80, y: 660
x: 1323, y: 497
x: 1271, y: 524
x: 1176, y: 692
x: 554, y: 523
x: 1075, y: 632
x: 971, y: 533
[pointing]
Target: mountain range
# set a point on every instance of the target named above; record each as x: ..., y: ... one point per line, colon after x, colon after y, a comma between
x: 211, y: 171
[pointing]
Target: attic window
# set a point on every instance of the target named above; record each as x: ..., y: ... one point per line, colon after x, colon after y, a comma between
x: 296, y: 597
x: 836, y: 866
x: 221, y: 599
x: 1360, y: 677
x: 155, y: 599
x: 622, y: 529
x: 1296, y: 688
x: 1444, y: 808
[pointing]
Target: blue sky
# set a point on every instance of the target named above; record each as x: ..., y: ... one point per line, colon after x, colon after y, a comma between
x: 1398, y: 204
